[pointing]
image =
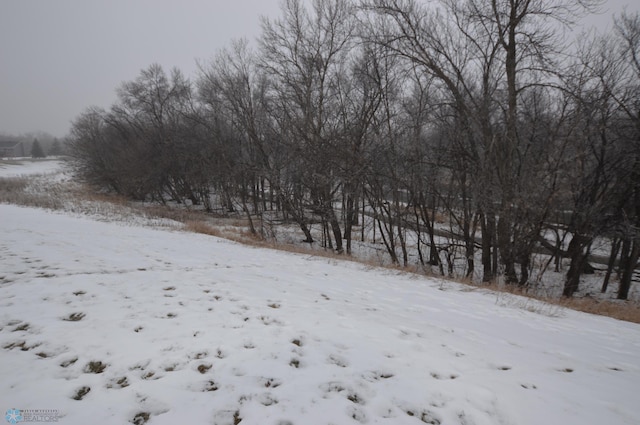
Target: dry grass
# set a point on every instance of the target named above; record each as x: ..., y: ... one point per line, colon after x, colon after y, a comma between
x: 621, y: 310
x: 22, y: 191
x: 199, y: 226
x: 550, y: 306
x: 85, y: 193
x: 13, y: 184
x: 231, y: 231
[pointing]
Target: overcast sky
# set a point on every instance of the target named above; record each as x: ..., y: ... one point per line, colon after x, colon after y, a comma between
x: 58, y: 57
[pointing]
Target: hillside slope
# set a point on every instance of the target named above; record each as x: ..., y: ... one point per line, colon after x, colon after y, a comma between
x: 124, y: 323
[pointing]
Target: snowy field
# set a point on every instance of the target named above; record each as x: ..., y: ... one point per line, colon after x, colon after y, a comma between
x: 27, y: 166
x: 110, y: 323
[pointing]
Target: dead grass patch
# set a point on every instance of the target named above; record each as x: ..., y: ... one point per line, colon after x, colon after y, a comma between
x: 199, y: 226
x: 628, y: 311
x: 621, y: 310
x: 13, y: 185
x: 32, y: 191
x: 228, y: 231
x: 85, y: 193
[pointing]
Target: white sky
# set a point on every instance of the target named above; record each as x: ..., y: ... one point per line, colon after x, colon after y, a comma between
x: 58, y: 57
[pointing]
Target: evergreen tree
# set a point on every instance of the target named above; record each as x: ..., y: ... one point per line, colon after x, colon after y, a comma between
x: 36, y: 150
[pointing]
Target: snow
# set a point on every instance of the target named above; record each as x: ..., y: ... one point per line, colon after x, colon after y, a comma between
x: 25, y: 167
x: 177, y: 327
x: 209, y: 331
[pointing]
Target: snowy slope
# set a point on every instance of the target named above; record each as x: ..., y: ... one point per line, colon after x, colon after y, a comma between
x: 195, y: 329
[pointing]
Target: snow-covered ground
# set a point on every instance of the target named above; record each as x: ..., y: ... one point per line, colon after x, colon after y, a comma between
x: 106, y: 323
x: 26, y: 166
x: 116, y: 322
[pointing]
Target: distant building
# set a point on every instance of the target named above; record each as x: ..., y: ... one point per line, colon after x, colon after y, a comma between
x: 12, y: 149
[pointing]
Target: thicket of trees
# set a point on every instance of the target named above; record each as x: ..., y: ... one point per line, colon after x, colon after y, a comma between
x: 47, y: 144
x: 469, y: 111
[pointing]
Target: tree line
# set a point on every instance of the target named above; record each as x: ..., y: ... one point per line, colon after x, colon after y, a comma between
x: 464, y: 129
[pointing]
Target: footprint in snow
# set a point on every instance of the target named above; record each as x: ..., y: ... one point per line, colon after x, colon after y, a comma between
x: 355, y: 398
x: 81, y: 392
x: 22, y: 345
x: 150, y: 375
x: 501, y: 367
x: 295, y: 363
x: 267, y: 321
x: 227, y: 417
x: 22, y: 327
x: 68, y: 362
x: 270, y: 382
x: 529, y: 386
x: 443, y: 376
x: 210, y: 386
x: 267, y: 399
x: 357, y: 414
x: 337, y: 360
x: 118, y: 382
x: 204, y: 367
x: 425, y: 416
x: 199, y: 355
x: 374, y: 376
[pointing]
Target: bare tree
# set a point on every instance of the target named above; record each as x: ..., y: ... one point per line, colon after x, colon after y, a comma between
x: 627, y: 36
x: 596, y: 177
x: 305, y: 52
x: 486, y: 56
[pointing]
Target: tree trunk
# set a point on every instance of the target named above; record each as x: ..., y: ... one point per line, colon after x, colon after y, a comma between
x: 418, y: 233
x: 629, y: 265
x: 429, y: 221
x: 524, y: 269
x: 350, y: 218
x: 335, y: 228
x: 615, y: 247
x: 388, y: 243
x: 506, y: 248
x: 578, y: 259
x: 288, y: 208
x: 487, y: 228
x: 401, y: 238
